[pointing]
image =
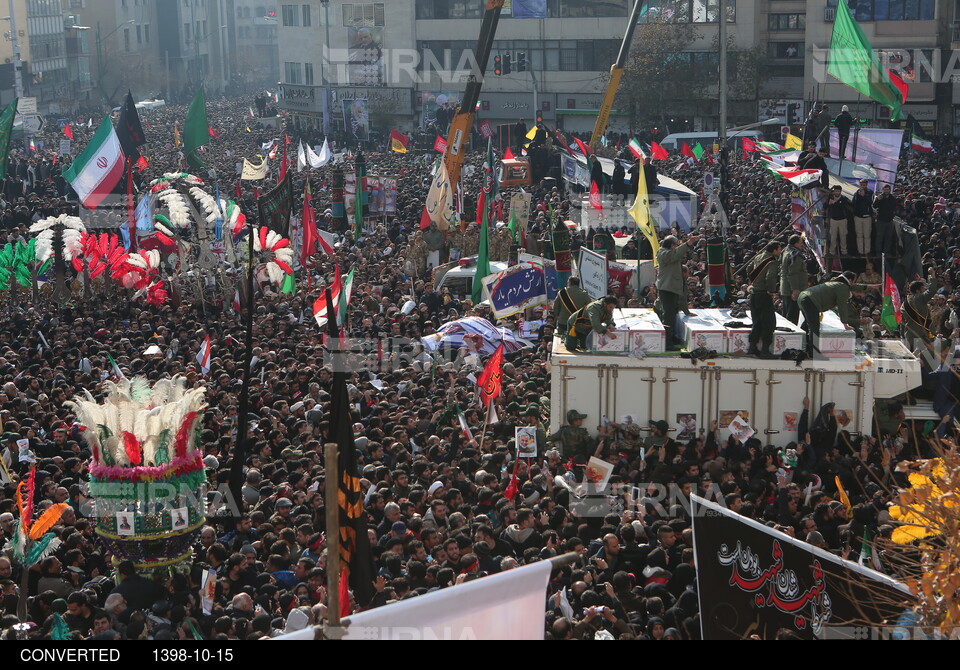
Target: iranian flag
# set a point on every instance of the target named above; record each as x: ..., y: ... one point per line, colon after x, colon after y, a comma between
x: 203, y: 356
x: 890, y: 315
x: 917, y: 143
x: 792, y: 175
x: 636, y: 149
x: 340, y: 295
x: 98, y: 168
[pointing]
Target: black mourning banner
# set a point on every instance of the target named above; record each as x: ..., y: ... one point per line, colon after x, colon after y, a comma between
x: 753, y: 580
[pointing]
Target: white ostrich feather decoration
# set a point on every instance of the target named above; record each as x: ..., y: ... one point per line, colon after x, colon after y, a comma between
x: 132, y: 405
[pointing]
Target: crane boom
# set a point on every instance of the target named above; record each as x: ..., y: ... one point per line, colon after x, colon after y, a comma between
x: 462, y: 122
x: 616, y: 74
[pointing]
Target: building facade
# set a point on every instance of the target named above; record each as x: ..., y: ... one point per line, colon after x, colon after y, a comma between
x: 407, y: 57
x: 257, y: 53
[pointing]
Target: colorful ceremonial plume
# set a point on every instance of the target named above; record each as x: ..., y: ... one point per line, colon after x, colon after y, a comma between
x: 147, y: 476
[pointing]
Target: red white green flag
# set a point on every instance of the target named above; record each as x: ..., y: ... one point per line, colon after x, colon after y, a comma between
x: 98, y: 168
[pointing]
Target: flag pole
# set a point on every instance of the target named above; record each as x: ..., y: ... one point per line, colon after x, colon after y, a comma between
x: 331, y: 497
x: 240, y: 445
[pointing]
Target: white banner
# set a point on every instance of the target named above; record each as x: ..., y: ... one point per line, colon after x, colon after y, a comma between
x: 506, y: 606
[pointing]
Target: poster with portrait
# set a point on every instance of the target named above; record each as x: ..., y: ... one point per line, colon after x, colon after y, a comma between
x: 356, y: 119
x: 628, y: 419
x: 687, y: 426
x: 365, y: 52
x: 179, y: 518
x: 438, y: 107
x: 125, y: 523
x: 844, y: 417
x: 728, y: 415
x: 790, y: 421
x: 741, y: 430
x: 526, y: 441
x: 598, y: 473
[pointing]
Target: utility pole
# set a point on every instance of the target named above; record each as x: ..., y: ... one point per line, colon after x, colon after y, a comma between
x: 17, y: 61
x: 324, y: 72
x: 722, y: 134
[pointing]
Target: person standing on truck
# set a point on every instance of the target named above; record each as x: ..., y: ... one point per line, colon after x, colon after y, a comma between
x: 597, y: 316
x: 670, y: 284
x: 832, y: 294
x: 916, y: 311
x: 572, y: 440
x: 793, y: 277
x: 569, y: 300
x: 764, y: 273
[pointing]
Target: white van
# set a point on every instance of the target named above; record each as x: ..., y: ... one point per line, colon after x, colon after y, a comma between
x: 459, y: 280
x: 675, y: 141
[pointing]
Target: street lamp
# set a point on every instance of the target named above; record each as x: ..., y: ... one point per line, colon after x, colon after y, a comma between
x: 100, y: 40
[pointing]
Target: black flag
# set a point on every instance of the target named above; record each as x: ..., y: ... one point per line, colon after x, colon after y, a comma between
x: 355, y: 555
x: 276, y: 206
x: 130, y: 130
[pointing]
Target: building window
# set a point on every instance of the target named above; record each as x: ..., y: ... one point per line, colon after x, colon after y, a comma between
x: 308, y: 74
x: 139, y: 35
x: 687, y: 11
x: 306, y: 16
x: 787, y: 21
x: 291, y: 15
x: 146, y: 33
x: 367, y: 15
x: 126, y: 39
x: 890, y: 10
x: 293, y: 73
x: 785, y: 49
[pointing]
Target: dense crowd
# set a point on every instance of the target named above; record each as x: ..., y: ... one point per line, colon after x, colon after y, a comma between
x: 435, y: 501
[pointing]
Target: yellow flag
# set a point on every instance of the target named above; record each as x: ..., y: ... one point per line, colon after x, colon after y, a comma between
x: 793, y: 142
x: 396, y: 146
x: 176, y: 137
x: 253, y: 172
x: 641, y: 214
x: 843, y: 497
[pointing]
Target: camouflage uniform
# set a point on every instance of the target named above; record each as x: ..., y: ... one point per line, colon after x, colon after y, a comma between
x: 573, y: 441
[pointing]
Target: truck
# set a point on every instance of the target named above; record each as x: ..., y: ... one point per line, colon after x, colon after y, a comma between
x: 767, y: 394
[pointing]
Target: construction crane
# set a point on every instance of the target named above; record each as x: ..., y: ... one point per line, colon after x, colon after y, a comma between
x: 462, y: 123
x: 616, y: 73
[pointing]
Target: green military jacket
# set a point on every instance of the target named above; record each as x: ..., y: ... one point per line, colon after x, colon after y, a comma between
x: 793, y: 271
x: 834, y: 295
x: 916, y: 310
x: 573, y: 442
x: 670, y: 270
x: 568, y: 301
x: 764, y: 272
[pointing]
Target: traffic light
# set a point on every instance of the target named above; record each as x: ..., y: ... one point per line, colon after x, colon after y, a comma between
x: 521, y: 61
x: 507, y: 61
x: 497, y: 65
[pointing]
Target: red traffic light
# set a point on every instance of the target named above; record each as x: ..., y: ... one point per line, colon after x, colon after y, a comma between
x: 497, y: 65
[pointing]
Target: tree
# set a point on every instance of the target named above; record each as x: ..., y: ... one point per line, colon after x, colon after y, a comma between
x: 661, y: 78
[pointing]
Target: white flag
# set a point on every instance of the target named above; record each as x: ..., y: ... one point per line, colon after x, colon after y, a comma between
x: 316, y: 161
x: 301, y: 158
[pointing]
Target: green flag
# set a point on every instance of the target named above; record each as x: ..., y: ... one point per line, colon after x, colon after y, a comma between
x: 698, y: 151
x: 483, y: 261
x: 494, y: 181
x: 289, y: 285
x: 196, y: 130
x: 514, y: 228
x: 6, y: 128
x: 856, y: 64
x: 344, y: 298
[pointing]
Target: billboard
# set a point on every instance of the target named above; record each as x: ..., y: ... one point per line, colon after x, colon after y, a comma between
x: 365, y: 47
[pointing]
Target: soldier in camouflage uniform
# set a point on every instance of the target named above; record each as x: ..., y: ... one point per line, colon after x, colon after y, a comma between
x: 573, y: 440
x: 418, y: 254
x: 471, y: 241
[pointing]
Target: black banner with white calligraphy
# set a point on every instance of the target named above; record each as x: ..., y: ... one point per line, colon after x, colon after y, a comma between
x: 753, y: 580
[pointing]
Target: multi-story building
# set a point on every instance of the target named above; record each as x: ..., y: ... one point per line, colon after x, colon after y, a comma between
x: 193, y: 39
x: 257, y: 53
x: 420, y: 54
x: 123, y: 47
x: 48, y: 77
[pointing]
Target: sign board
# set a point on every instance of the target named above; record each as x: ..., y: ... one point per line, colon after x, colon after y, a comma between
x: 708, y: 183
x: 27, y: 106
x: 592, y: 268
x: 520, y: 203
x: 65, y: 147
x: 32, y: 123
x: 516, y: 288
x: 486, y: 130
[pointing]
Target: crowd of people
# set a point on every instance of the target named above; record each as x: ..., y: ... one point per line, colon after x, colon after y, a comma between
x: 434, y: 500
